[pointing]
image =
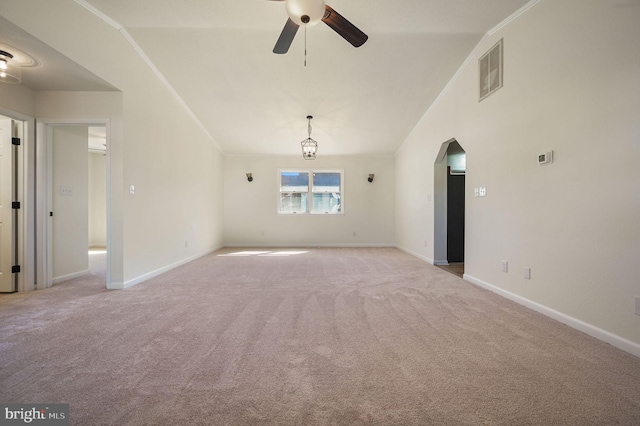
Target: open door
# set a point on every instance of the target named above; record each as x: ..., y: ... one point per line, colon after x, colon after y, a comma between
x: 8, y: 190
x: 69, y: 203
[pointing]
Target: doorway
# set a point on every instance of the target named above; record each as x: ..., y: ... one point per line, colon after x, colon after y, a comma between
x: 97, y: 201
x: 449, y: 181
x: 75, y: 197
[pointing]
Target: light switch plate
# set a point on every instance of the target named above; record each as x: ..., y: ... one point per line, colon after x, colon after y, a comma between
x: 66, y: 191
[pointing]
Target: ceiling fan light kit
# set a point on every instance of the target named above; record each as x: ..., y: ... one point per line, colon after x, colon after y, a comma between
x: 305, y: 12
x: 308, y: 13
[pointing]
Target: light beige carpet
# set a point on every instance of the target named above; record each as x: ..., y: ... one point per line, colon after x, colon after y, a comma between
x: 320, y: 337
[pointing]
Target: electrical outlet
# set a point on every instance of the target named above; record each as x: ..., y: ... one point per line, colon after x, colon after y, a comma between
x: 637, y: 305
x: 354, y: 233
x: 527, y: 273
x: 505, y: 266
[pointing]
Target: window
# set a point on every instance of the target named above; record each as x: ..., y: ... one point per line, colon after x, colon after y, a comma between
x: 307, y: 191
x: 294, y: 192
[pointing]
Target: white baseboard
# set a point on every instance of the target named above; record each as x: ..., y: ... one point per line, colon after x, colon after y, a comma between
x: 310, y: 245
x: 413, y: 253
x: 63, y: 278
x: 149, y: 275
x: 593, y: 331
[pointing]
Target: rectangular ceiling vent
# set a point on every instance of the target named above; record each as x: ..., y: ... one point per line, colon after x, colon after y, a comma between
x: 490, y: 65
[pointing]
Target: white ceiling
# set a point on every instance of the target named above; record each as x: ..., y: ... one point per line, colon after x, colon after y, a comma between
x: 217, y: 55
x: 51, y: 70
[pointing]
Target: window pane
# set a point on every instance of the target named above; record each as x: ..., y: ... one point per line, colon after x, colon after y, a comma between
x: 326, y: 182
x: 291, y: 202
x: 326, y: 203
x: 294, y: 181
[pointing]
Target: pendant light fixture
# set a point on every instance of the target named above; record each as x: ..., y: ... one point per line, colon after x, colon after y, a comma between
x: 9, y: 69
x: 309, y: 146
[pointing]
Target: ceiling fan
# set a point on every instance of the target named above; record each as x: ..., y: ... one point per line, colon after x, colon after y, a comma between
x: 309, y: 13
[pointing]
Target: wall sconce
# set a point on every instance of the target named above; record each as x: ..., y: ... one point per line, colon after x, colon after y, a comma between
x: 370, y: 177
x: 249, y: 177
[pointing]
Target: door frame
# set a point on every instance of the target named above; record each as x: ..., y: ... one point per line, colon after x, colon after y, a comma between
x: 440, y: 232
x: 26, y: 177
x: 44, y: 195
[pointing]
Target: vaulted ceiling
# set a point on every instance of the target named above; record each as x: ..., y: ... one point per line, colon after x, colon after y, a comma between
x: 217, y: 55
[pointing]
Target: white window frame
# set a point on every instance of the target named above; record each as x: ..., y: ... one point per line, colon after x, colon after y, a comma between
x: 310, y: 191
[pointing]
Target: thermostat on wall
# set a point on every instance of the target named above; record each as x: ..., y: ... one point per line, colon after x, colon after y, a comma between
x: 545, y: 158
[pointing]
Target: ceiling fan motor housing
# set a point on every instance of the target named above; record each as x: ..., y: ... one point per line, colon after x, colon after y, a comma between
x: 305, y: 12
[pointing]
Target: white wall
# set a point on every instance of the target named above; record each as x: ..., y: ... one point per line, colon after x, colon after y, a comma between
x: 86, y: 108
x: 570, y: 85
x: 156, y: 145
x: 17, y: 98
x: 250, y: 208
x: 97, y: 200
x: 70, y: 194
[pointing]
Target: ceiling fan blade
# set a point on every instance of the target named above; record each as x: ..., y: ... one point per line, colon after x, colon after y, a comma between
x: 286, y: 37
x: 342, y: 26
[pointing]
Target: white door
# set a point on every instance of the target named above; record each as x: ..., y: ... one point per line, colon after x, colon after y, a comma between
x: 6, y: 212
x: 70, y: 203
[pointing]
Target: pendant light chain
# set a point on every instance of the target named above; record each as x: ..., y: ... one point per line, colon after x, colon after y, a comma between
x: 305, y: 45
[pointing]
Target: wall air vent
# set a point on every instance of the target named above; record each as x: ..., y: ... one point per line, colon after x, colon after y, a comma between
x: 490, y: 65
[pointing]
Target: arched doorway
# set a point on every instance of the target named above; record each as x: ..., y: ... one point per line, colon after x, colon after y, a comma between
x: 449, y: 182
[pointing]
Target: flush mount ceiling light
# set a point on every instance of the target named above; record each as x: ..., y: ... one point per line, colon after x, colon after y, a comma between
x: 12, y: 61
x: 9, y: 69
x: 309, y: 146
